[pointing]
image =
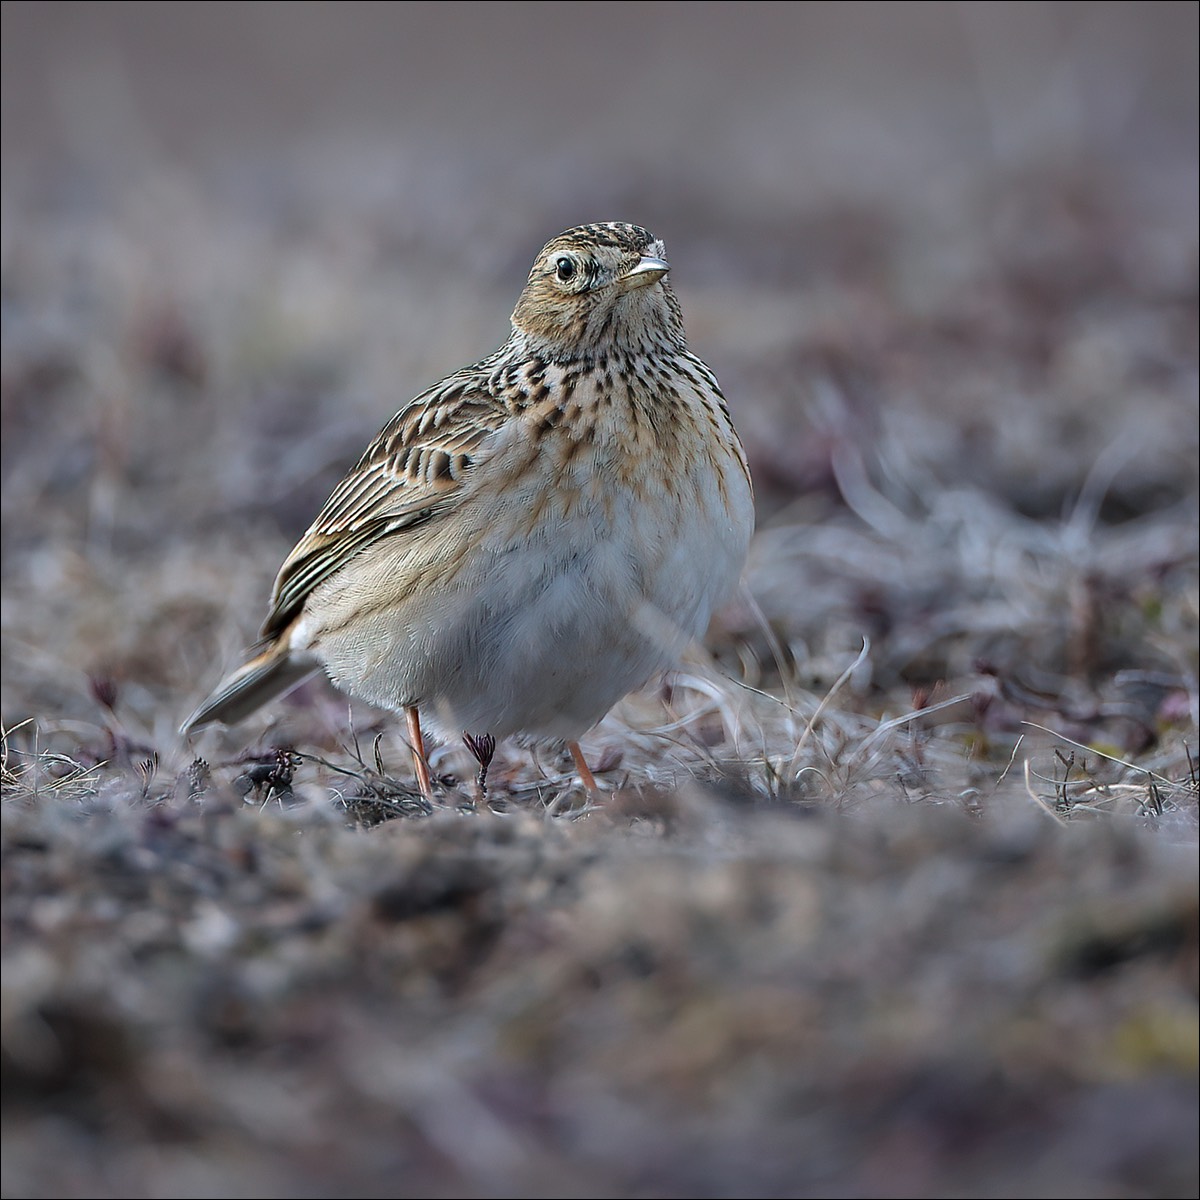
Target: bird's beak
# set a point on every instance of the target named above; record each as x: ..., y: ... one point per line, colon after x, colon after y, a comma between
x: 649, y: 270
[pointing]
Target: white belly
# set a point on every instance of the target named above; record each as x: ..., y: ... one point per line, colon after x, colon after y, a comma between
x: 536, y: 627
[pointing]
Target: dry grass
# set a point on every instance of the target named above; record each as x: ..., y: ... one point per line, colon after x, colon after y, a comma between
x: 893, y: 887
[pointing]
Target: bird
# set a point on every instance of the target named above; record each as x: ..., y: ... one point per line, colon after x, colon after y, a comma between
x: 531, y: 538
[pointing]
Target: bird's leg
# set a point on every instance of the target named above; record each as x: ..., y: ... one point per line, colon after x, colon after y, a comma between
x: 482, y: 747
x: 585, y: 774
x: 417, y: 744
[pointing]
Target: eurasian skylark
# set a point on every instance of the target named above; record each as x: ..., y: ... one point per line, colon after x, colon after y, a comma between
x: 533, y: 537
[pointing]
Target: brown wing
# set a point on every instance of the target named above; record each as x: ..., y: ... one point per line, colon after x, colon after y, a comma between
x: 414, y: 470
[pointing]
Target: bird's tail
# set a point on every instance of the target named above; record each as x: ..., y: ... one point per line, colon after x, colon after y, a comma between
x: 272, y: 673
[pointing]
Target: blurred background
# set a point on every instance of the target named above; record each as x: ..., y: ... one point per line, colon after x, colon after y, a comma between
x: 943, y: 258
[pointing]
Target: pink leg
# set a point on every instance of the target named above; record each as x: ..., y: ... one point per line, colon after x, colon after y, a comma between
x: 585, y: 774
x: 417, y: 742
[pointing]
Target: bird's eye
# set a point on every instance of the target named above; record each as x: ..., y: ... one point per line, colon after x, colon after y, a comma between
x: 565, y: 268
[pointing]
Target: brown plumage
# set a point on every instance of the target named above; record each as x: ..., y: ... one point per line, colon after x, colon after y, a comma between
x: 535, y: 535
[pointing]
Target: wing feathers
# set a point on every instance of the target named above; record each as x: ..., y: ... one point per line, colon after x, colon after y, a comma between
x: 412, y: 472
